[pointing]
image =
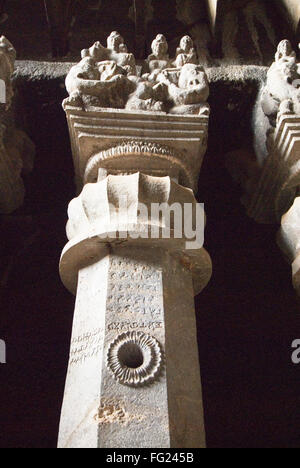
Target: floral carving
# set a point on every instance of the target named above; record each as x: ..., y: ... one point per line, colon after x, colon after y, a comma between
x: 134, y: 358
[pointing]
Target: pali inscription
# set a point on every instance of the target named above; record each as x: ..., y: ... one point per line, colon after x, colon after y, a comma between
x: 128, y: 325
x: 134, y: 289
x: 86, y: 346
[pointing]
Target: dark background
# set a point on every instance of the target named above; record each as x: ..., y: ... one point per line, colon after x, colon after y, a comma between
x: 26, y: 25
x: 247, y: 317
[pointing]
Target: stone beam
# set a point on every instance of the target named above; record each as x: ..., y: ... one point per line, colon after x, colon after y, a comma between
x: 138, y: 139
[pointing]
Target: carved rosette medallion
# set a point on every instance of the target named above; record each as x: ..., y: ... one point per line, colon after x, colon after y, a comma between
x: 135, y: 359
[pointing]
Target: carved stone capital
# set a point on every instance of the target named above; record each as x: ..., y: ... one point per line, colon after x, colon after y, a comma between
x: 119, y: 209
x: 120, y: 141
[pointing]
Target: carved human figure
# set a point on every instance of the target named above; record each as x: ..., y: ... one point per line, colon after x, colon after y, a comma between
x: 282, y: 94
x: 188, y: 88
x: 117, y: 51
x: 284, y: 50
x: 83, y: 77
x: 159, y: 59
x: 148, y: 96
x: 106, y: 81
x: 114, y: 41
x: 185, y: 52
x: 97, y: 52
x: 110, y: 71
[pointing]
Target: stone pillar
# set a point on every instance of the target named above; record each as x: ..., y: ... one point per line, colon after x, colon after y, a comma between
x: 273, y: 185
x: 133, y: 373
x: 241, y: 30
x: 133, y: 377
x: 292, y: 10
x: 279, y: 178
x: 289, y: 240
x: 16, y: 149
x: 272, y: 178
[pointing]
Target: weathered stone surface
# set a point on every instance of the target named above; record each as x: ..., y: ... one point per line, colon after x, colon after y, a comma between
x: 137, y: 139
x: 110, y: 211
x: 279, y: 177
x: 108, y: 77
x: 272, y: 181
x: 224, y: 74
x: 121, y: 141
x: 16, y: 149
x: 289, y: 240
x: 193, y: 17
x: 281, y: 94
x: 133, y: 303
x: 186, y: 53
x: 236, y: 39
x: 292, y: 8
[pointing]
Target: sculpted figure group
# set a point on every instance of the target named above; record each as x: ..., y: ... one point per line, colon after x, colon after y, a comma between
x: 109, y: 77
x: 282, y: 92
